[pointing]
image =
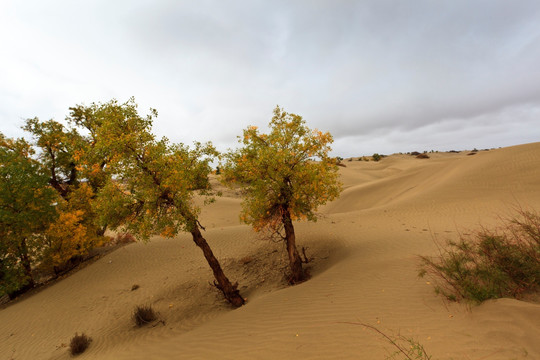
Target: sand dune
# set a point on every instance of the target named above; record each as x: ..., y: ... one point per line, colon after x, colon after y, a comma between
x: 365, y: 249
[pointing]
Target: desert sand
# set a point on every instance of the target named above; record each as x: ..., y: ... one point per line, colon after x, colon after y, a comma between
x: 365, y: 251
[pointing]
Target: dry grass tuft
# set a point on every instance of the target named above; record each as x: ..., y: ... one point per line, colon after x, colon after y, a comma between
x: 79, y: 344
x: 143, y: 315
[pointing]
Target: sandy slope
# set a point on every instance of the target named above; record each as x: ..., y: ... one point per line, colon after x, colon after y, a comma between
x: 364, y: 270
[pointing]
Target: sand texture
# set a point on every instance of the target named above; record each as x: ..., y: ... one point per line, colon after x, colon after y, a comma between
x: 365, y: 251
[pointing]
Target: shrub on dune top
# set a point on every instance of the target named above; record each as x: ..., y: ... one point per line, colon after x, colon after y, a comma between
x: 489, y: 264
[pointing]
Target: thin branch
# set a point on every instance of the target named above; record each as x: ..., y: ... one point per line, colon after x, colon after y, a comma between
x: 200, y: 225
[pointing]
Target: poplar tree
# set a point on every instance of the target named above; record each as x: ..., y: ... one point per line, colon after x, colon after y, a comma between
x: 27, y: 208
x: 152, y: 183
x: 286, y: 175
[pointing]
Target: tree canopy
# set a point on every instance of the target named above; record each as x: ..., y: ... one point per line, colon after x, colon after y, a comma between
x: 26, y: 209
x: 286, y: 175
x: 152, y: 182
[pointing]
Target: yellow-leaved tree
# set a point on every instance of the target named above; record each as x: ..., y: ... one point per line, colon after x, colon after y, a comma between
x: 73, y: 234
x: 152, y: 183
x: 286, y: 175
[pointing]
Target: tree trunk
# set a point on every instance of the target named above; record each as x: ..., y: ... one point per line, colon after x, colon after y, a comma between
x: 101, y: 230
x: 229, y: 290
x: 25, y: 261
x: 295, y: 261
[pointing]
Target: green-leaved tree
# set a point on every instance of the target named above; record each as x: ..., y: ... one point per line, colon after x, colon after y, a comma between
x: 286, y: 175
x: 153, y: 183
x: 56, y: 152
x: 77, y: 173
x: 27, y: 208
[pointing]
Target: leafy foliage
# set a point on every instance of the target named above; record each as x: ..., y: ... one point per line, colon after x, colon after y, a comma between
x: 56, y: 144
x: 73, y: 234
x: 76, y: 172
x: 26, y: 209
x: 108, y: 170
x: 491, y: 264
x: 71, y: 158
x: 38, y: 226
x: 289, y: 168
x: 286, y: 175
x: 153, y: 180
x: 152, y: 183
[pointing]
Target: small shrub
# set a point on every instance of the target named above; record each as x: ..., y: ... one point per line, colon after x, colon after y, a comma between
x: 489, y: 264
x: 79, y: 343
x: 415, y: 153
x: 143, y: 314
x: 422, y: 156
x: 376, y: 157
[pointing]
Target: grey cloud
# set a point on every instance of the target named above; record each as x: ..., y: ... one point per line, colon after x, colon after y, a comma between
x: 368, y: 70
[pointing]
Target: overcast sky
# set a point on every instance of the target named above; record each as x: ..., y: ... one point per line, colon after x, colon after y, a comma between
x: 381, y: 76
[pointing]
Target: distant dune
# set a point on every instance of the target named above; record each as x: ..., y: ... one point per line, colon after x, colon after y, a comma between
x: 365, y: 249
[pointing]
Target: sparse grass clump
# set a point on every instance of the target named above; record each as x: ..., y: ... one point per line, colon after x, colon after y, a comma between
x: 490, y: 264
x: 143, y: 314
x: 405, y: 348
x: 79, y: 343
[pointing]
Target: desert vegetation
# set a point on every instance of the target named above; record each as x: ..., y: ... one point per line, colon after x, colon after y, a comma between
x: 362, y: 250
x: 105, y: 170
x: 79, y: 343
x: 26, y: 212
x: 143, y: 315
x: 281, y: 180
x: 152, y: 183
x: 490, y: 263
x: 405, y: 348
x: 47, y: 201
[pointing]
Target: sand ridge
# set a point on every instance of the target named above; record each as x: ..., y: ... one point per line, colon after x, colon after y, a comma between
x: 365, y: 249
